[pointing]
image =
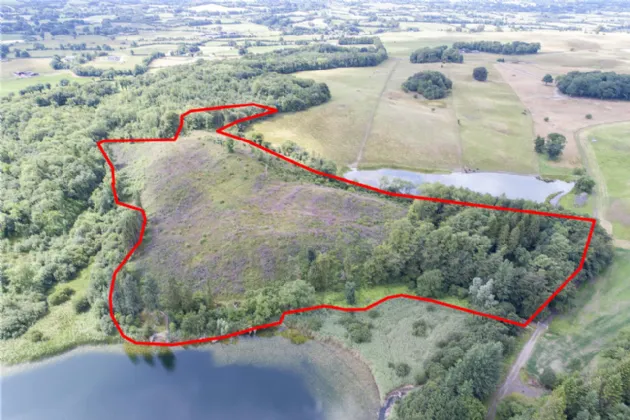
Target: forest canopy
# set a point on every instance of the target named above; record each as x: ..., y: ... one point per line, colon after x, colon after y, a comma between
x: 595, y: 84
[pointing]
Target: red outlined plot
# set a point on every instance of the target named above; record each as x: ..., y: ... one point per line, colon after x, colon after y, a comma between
x: 268, y: 111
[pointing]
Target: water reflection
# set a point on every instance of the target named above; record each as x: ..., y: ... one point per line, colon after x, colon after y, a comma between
x: 183, y: 385
x: 513, y: 186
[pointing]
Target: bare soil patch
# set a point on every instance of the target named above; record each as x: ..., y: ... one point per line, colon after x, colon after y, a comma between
x: 566, y: 115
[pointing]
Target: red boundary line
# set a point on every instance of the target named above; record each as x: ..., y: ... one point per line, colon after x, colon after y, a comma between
x: 268, y: 111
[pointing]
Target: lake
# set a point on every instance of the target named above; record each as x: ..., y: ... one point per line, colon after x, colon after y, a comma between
x: 227, y: 383
x: 512, y: 185
x: 189, y: 386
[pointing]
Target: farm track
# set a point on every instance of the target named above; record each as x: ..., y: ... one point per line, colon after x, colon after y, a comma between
x: 512, y: 383
x: 368, y: 127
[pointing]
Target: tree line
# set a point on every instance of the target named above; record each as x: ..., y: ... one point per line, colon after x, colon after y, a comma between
x: 595, y: 84
x: 496, y: 47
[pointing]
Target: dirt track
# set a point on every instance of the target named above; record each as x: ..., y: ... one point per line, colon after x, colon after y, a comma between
x: 513, y: 383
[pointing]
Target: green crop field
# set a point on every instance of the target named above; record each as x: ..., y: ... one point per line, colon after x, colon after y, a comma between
x: 602, y: 309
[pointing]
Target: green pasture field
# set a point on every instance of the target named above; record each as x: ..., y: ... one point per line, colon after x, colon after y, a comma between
x: 38, y: 65
x: 334, y: 130
x: 612, y: 151
x: 14, y: 84
x: 568, y: 202
x: 602, y: 308
x: 495, y: 134
x: 411, y: 132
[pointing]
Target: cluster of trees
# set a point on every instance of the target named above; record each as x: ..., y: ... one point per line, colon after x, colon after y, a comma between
x: 461, y: 374
x: 595, y: 84
x: 430, y: 84
x: 480, y: 74
x: 57, y: 214
x: 602, y: 394
x: 553, y: 145
x: 318, y: 57
x: 442, y: 54
x: 496, y: 47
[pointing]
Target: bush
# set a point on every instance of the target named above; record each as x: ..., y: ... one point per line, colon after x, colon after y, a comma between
x: 36, y: 336
x: 81, y: 304
x: 589, y: 117
x: 421, y: 378
x: 585, y: 184
x: 480, y: 74
x: 546, y: 119
x: 60, y: 296
x: 548, y: 378
x: 420, y: 328
x: 373, y: 313
x: 402, y: 370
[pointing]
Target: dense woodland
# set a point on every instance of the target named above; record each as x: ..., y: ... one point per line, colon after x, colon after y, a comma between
x: 595, y: 84
x: 430, y: 84
x: 436, y: 54
x: 496, y: 47
x: 57, y: 213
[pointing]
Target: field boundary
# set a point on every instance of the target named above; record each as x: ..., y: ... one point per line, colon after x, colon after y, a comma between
x: 267, y: 110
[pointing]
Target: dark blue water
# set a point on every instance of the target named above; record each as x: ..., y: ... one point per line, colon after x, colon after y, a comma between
x: 184, y: 385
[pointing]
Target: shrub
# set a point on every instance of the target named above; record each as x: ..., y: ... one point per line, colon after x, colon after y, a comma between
x: 546, y: 119
x: 60, y: 296
x: 548, y: 378
x: 36, y: 336
x: 373, y: 313
x: 585, y: 184
x: 402, y: 370
x: 81, y: 304
x: 295, y: 336
x: 421, y: 378
x: 420, y: 328
x: 480, y: 74
x: 589, y: 117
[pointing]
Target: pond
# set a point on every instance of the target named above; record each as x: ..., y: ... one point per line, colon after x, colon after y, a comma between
x: 266, y: 379
x: 512, y: 185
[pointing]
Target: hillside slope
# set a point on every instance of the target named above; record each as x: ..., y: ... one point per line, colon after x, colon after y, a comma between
x: 219, y: 217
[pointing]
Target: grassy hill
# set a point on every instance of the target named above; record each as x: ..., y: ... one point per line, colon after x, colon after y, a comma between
x: 221, y: 217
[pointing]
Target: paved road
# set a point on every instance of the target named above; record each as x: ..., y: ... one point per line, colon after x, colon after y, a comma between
x: 512, y: 383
